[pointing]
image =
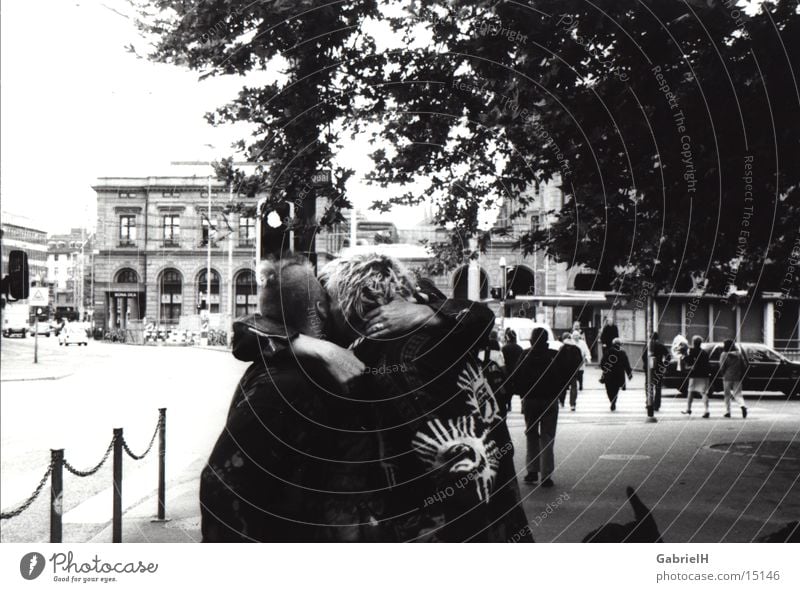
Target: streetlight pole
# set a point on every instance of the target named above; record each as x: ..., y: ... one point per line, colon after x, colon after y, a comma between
x: 502, y: 263
x: 208, y: 249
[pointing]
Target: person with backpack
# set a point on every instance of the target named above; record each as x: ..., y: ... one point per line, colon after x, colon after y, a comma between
x: 732, y: 366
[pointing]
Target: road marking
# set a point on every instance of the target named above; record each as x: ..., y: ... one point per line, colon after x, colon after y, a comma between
x: 624, y: 457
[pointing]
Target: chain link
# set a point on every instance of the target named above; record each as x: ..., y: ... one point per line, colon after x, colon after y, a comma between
x: 94, y: 469
x: 31, y: 499
x: 149, y: 447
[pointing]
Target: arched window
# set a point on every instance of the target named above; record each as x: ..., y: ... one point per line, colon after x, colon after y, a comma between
x: 170, y: 287
x: 520, y: 281
x: 246, y: 293
x: 127, y: 276
x: 461, y: 283
x: 202, y: 287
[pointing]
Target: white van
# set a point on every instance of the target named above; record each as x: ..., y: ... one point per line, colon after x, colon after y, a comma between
x: 523, y: 327
x: 15, y: 319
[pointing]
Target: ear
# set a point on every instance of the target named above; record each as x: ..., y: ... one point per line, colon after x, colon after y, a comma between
x: 322, y: 310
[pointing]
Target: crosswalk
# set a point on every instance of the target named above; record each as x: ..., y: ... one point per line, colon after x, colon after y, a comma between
x: 593, y: 407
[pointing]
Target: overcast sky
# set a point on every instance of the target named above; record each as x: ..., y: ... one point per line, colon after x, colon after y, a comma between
x: 77, y: 106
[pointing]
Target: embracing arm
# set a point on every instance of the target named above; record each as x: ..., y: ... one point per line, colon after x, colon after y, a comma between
x: 260, y: 338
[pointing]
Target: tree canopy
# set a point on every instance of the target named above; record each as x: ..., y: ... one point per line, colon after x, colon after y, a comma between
x: 673, y: 127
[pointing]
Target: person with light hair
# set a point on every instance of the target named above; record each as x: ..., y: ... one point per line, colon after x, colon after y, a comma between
x: 445, y: 455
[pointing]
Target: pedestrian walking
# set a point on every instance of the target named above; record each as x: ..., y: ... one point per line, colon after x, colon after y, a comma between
x: 608, y: 334
x: 656, y: 365
x: 572, y: 358
x: 512, y: 352
x: 615, y: 366
x: 732, y: 366
x: 540, y: 379
x: 697, y: 361
x: 580, y: 339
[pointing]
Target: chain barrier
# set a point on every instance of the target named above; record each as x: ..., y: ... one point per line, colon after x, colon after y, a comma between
x: 27, y: 503
x: 94, y: 469
x: 149, y: 446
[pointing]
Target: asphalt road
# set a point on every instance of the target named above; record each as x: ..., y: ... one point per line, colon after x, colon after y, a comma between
x: 97, y: 388
x: 708, y: 480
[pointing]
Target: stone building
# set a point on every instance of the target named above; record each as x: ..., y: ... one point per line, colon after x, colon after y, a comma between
x: 21, y: 233
x: 69, y: 272
x: 153, y: 240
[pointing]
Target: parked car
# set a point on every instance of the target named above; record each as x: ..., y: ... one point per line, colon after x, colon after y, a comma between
x: 15, y: 319
x: 523, y: 327
x: 42, y: 329
x: 767, y: 370
x: 73, y: 333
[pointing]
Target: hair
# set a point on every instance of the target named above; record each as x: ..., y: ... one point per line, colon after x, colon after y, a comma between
x: 364, y: 282
x: 511, y: 335
x: 616, y: 341
x: 290, y: 292
x: 728, y: 346
x: 566, y: 335
x: 539, y: 339
x: 654, y: 337
x: 697, y: 340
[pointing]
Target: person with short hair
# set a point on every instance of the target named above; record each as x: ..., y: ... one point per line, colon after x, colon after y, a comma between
x: 579, y: 338
x: 264, y: 477
x: 615, y: 366
x: 656, y: 365
x: 573, y: 358
x: 512, y: 352
x: 541, y: 376
x: 698, y: 362
x: 732, y: 366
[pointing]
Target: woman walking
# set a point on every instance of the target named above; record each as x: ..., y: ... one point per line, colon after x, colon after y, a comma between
x: 732, y: 366
x: 615, y: 367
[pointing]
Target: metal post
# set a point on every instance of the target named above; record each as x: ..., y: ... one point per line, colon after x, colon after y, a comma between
x: 162, y: 456
x: 56, y: 494
x: 35, y: 340
x: 116, y: 520
x: 649, y: 387
x: 208, y: 244
x: 230, y: 306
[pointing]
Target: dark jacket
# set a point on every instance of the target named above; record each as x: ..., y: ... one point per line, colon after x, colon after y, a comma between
x: 539, y: 379
x: 263, y: 478
x: 512, y: 353
x: 615, y: 366
x: 657, y: 350
x: 608, y: 334
x: 430, y: 408
x: 698, y: 362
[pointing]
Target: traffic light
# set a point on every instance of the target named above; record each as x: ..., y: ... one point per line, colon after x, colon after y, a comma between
x: 18, y: 280
x: 275, y: 231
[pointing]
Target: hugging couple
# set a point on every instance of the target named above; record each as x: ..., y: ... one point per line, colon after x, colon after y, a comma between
x: 314, y: 449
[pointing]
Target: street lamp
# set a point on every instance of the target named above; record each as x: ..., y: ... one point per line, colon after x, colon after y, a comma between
x: 503, y: 271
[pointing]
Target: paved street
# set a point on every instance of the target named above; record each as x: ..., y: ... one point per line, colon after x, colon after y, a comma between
x: 104, y: 386
x: 706, y: 480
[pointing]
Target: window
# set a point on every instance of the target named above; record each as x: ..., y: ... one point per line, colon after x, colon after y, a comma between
x: 171, y: 193
x: 763, y: 355
x: 170, y: 287
x: 246, y: 293
x: 127, y: 230
x: 172, y: 229
x: 202, y: 287
x: 204, y: 226
x: 127, y: 276
x: 247, y: 231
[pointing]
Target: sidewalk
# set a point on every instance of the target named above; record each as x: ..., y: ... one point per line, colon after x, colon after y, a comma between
x: 182, y: 513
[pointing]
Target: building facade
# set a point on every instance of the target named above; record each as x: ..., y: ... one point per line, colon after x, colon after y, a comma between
x: 21, y: 233
x: 69, y: 272
x: 153, y: 244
